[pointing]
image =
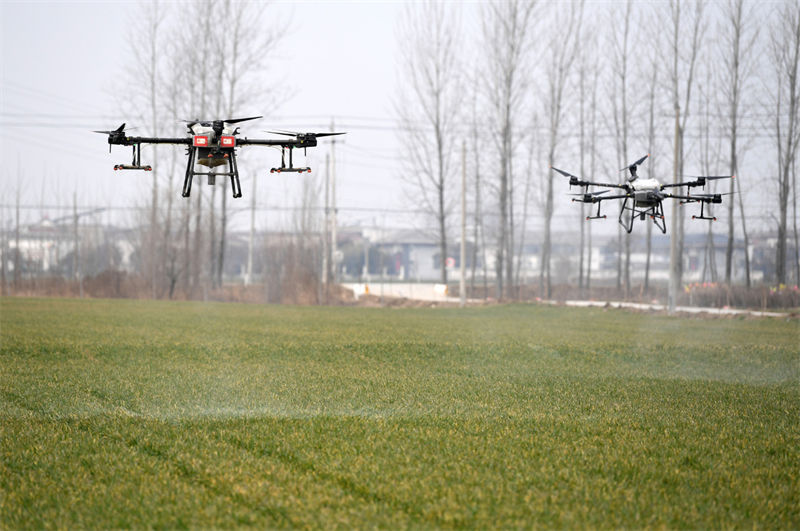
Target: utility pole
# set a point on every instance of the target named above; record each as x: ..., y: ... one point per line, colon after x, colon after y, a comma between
x: 326, y: 240
x: 3, y: 251
x: 674, y: 252
x: 76, y: 260
x: 462, y: 281
x: 333, y: 203
x: 16, y: 244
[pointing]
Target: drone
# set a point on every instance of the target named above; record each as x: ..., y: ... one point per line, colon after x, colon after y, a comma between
x: 644, y: 197
x: 213, y: 143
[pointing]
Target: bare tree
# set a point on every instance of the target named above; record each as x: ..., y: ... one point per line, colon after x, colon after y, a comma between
x: 507, y: 33
x: 563, y: 49
x: 709, y: 158
x: 588, y: 73
x: 785, y: 53
x: 478, y: 227
x: 654, y: 81
x: 430, y: 108
x: 247, y: 46
x: 205, y: 70
x: 143, y: 77
x: 530, y: 170
x: 794, y: 217
x: 622, y: 43
x: 171, y: 241
x: 739, y: 35
x: 682, y: 54
x: 593, y: 142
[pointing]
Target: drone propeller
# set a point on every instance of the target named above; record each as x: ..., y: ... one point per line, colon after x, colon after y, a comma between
x: 302, y: 135
x: 593, y: 194
x: 210, y: 123
x: 564, y: 173
x: 710, y: 177
x: 119, y: 131
x: 635, y: 164
x: 633, y: 167
x: 237, y: 120
x: 305, y: 140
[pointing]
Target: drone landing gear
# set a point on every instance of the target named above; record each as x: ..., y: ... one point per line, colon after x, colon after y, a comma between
x: 657, y: 216
x: 233, y: 173
x: 291, y: 167
x: 136, y: 163
x: 597, y: 216
x: 656, y: 213
x: 701, y: 216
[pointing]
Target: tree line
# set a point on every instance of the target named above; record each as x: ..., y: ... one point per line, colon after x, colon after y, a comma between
x: 534, y: 84
x: 501, y: 91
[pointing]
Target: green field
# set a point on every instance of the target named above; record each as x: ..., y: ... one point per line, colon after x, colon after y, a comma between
x: 156, y: 414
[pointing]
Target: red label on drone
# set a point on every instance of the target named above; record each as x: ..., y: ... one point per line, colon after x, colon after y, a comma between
x: 227, y: 141
x: 200, y: 141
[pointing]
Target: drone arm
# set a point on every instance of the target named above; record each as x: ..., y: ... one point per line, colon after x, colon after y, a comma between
x: 606, y: 185
x: 699, y: 181
x: 703, y: 198
x: 589, y: 198
x: 267, y: 142
x: 690, y: 184
x: 134, y: 140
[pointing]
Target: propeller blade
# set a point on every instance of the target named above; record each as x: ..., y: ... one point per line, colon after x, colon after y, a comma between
x: 635, y: 164
x: 285, y: 133
x: 564, y: 173
x: 208, y: 123
x: 237, y: 120
x: 324, y: 134
x: 119, y: 129
x: 710, y: 177
x: 593, y: 194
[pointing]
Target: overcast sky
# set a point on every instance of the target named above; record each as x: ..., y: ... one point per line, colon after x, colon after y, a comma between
x: 62, y: 62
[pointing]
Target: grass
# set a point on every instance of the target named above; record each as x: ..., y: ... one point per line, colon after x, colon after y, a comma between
x: 153, y: 414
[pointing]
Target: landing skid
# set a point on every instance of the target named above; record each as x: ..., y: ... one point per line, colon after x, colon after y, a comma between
x: 702, y: 216
x: 597, y: 216
x: 131, y: 167
x: 656, y: 213
x: 290, y: 167
x: 136, y: 164
x: 283, y: 169
x: 233, y: 173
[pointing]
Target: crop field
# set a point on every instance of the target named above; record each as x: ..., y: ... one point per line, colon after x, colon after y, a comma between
x: 119, y: 414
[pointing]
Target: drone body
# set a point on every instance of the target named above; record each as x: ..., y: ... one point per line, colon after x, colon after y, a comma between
x: 644, y: 197
x: 213, y: 144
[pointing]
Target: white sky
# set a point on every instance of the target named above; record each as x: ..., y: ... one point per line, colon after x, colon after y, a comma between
x: 62, y: 60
